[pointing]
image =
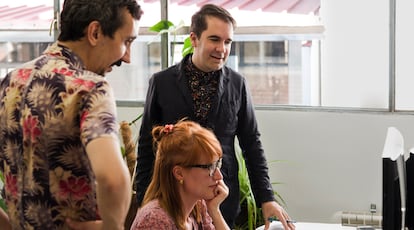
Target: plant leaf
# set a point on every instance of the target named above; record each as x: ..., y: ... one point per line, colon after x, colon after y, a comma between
x: 136, y: 119
x: 187, y: 48
x: 161, y: 25
x: 3, y: 204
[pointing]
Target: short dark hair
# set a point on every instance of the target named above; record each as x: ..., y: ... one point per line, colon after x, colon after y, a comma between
x: 198, y: 20
x: 77, y: 14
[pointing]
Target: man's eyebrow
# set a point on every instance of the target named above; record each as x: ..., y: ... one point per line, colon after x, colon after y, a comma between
x: 214, y: 36
x: 131, y: 38
x: 218, y: 37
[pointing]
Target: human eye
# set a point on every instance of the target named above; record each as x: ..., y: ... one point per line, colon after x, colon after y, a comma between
x: 129, y: 41
x: 219, y: 163
x: 214, y: 38
x: 210, y: 167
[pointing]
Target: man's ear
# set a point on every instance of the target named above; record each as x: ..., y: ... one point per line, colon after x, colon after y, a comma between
x: 193, y: 39
x: 93, y: 32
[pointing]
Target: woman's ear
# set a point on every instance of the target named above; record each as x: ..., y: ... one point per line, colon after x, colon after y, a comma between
x: 178, y: 172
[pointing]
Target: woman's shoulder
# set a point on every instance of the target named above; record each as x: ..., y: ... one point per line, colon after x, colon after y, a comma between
x: 152, y: 216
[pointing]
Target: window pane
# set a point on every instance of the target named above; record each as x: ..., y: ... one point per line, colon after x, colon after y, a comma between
x: 404, y: 51
x: 278, y: 57
x: 355, y: 53
x: 278, y: 72
x: 130, y: 81
x: 26, y: 21
x: 13, y: 54
x: 20, y: 14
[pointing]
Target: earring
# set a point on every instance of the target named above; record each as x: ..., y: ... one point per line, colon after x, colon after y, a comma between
x: 181, y: 181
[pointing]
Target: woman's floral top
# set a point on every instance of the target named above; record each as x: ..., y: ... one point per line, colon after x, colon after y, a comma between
x: 153, y: 216
x: 50, y: 109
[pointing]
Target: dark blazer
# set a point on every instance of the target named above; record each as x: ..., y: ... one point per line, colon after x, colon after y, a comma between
x: 169, y: 100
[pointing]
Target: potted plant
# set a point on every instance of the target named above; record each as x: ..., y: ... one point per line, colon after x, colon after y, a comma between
x: 250, y: 216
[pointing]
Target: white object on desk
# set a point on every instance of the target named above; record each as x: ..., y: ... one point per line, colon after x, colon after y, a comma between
x: 276, y: 225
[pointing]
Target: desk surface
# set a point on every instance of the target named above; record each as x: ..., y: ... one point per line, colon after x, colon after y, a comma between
x: 275, y: 225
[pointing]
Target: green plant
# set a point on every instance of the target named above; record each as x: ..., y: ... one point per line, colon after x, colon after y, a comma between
x: 133, y: 122
x: 187, y: 48
x: 250, y: 216
x: 249, y: 211
x: 130, y: 141
x: 165, y: 26
x: 2, y: 201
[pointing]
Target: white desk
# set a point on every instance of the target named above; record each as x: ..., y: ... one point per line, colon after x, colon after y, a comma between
x: 275, y: 225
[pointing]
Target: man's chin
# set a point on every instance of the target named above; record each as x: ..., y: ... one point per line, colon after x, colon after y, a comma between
x: 217, y: 67
x: 107, y: 70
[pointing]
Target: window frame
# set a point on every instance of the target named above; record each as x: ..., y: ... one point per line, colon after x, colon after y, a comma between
x: 244, y: 33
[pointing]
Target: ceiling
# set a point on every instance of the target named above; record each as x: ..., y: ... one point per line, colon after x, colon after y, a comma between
x: 40, y: 16
x: 288, y: 6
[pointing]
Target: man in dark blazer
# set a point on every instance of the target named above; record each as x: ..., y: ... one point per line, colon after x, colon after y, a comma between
x: 201, y: 88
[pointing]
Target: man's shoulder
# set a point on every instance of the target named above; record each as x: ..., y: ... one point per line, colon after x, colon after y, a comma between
x: 232, y: 75
x: 168, y: 75
x: 170, y: 71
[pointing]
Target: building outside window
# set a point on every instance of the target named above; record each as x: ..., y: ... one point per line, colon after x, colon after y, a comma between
x: 301, y: 53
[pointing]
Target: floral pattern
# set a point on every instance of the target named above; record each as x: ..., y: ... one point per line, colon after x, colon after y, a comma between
x: 203, y: 88
x: 50, y: 109
x: 153, y: 216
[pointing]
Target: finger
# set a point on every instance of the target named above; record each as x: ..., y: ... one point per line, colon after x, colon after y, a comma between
x: 285, y: 224
x: 72, y: 225
x: 217, y: 191
x: 267, y: 224
x: 282, y: 218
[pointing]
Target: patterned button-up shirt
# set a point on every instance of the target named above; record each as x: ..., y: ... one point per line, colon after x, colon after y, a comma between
x: 203, y: 88
x: 50, y: 109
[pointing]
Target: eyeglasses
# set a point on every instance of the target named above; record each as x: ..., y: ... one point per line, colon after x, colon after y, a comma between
x: 211, y: 167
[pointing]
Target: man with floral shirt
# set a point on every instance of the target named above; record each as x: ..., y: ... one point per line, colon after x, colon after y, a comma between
x: 59, y: 149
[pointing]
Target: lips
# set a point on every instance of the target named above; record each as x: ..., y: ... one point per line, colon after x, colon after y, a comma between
x: 214, y: 186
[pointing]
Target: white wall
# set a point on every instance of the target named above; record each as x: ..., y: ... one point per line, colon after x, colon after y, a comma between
x: 331, y: 160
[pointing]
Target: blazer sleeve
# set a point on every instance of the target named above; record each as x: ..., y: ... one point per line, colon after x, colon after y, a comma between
x: 249, y: 140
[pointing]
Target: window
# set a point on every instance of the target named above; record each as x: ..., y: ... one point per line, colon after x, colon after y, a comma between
x: 279, y: 61
x: 24, y: 31
x: 13, y: 54
x: 355, y: 54
x: 403, y: 50
x: 318, y: 53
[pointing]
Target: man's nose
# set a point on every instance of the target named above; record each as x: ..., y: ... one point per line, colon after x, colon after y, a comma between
x: 127, y: 58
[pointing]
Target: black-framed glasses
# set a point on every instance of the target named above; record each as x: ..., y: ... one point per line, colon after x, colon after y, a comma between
x: 211, y: 167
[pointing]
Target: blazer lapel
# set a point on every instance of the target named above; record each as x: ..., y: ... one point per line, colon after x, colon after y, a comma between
x: 184, y: 89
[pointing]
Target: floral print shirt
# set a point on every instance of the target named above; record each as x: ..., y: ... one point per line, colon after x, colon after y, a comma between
x: 204, y: 87
x: 50, y: 109
x: 153, y: 216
